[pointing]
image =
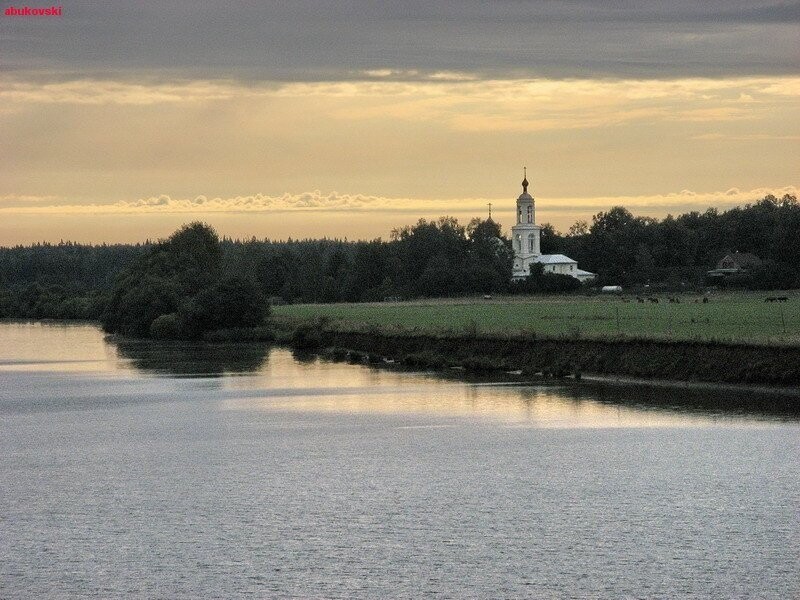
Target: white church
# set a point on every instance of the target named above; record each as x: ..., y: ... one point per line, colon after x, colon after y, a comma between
x: 526, y: 236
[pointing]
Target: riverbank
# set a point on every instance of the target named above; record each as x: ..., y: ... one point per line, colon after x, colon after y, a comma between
x: 730, y: 317
x: 530, y: 356
x: 558, y: 357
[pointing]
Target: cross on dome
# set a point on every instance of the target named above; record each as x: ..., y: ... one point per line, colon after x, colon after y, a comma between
x: 525, y: 180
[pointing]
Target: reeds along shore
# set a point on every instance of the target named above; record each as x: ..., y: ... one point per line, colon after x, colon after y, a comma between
x: 558, y: 357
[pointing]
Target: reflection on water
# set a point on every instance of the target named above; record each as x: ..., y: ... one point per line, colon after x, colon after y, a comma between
x: 278, y: 379
x: 321, y: 386
x: 692, y: 398
x: 54, y: 346
x: 262, y: 475
x: 192, y: 359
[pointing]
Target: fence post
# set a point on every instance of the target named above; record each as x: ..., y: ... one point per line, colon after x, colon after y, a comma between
x: 783, y: 319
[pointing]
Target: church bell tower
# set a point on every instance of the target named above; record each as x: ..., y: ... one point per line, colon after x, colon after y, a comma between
x: 526, y: 234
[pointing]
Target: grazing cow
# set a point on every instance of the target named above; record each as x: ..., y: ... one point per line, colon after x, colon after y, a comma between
x: 640, y: 300
x: 626, y: 300
x: 653, y: 300
x: 705, y: 300
x: 770, y: 299
x: 782, y: 299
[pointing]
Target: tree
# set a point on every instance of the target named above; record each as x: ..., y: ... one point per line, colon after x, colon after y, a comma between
x: 579, y: 228
x: 69, y: 280
x: 233, y: 302
x: 550, y: 240
x: 770, y: 275
x: 490, y: 257
x: 644, y: 267
x: 439, y: 278
x: 179, y: 279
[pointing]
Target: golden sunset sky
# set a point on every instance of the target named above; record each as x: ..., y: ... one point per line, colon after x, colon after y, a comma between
x: 119, y: 121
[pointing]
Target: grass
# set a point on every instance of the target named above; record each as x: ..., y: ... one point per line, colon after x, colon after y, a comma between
x: 731, y: 317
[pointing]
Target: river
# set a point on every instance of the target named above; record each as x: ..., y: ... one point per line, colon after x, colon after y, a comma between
x: 150, y: 470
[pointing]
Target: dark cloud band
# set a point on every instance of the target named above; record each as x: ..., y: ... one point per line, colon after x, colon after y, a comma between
x: 335, y: 39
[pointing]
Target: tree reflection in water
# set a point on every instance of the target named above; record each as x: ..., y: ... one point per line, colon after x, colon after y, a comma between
x: 698, y: 398
x: 192, y: 359
x: 200, y: 359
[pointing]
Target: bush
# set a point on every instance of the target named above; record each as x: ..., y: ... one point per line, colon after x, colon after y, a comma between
x: 136, y: 303
x: 539, y: 282
x: 773, y: 276
x: 166, y: 327
x: 307, y: 337
x: 241, y: 334
x: 176, y: 291
x: 233, y: 303
x: 480, y: 364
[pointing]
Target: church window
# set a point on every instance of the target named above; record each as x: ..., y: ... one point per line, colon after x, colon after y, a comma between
x: 519, y: 216
x: 531, y: 239
x: 530, y: 214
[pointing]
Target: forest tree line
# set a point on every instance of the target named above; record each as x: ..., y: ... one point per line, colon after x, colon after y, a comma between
x: 429, y: 259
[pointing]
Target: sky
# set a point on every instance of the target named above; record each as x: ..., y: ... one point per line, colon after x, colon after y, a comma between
x: 119, y: 121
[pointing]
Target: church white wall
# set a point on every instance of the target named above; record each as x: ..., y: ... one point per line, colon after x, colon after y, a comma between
x: 522, y: 267
x: 561, y: 269
x: 526, y: 241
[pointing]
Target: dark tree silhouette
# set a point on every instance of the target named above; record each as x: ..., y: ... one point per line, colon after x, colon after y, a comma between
x: 430, y: 258
x: 175, y: 291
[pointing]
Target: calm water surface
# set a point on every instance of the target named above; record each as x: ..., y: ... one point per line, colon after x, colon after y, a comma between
x: 189, y: 471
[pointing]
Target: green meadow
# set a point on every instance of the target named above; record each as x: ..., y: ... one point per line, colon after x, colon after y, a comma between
x: 729, y: 317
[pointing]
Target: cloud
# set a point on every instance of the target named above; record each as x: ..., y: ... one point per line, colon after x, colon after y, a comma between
x: 98, y: 139
x: 308, y: 40
x: 318, y: 202
x: 675, y: 202
x: 462, y: 103
x: 313, y: 200
x: 98, y: 92
x: 27, y: 199
x: 745, y: 137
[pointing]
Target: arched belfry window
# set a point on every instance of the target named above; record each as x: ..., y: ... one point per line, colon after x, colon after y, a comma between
x: 531, y: 239
x: 530, y: 214
x: 518, y: 243
x: 519, y: 216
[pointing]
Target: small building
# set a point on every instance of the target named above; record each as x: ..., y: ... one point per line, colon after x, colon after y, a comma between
x: 561, y: 264
x: 526, y: 240
x: 737, y: 263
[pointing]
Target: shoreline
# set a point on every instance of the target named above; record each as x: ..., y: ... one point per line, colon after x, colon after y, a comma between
x: 715, y: 366
x: 546, y: 357
x: 712, y: 386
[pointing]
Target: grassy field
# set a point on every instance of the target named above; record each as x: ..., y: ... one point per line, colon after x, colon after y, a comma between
x: 737, y: 317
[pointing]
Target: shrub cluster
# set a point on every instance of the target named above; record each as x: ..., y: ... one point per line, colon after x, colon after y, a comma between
x: 177, y: 290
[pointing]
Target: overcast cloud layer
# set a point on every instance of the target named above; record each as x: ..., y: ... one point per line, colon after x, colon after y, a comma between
x: 411, y: 39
